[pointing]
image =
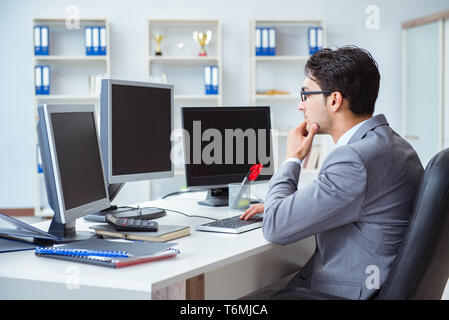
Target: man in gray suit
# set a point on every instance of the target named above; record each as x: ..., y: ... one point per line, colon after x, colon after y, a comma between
x: 358, y: 208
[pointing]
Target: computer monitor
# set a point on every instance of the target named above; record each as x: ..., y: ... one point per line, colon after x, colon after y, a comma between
x: 72, y: 165
x: 220, y: 146
x: 136, y: 124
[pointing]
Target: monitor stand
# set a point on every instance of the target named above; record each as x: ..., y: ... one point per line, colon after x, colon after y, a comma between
x: 124, y: 212
x: 67, y: 233
x: 145, y: 213
x: 216, y: 197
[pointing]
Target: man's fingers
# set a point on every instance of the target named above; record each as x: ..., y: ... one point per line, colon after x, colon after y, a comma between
x: 313, y: 131
x: 251, y: 211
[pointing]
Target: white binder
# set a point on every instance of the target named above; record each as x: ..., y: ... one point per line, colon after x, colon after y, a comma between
x: 96, y: 40
x: 312, y: 37
x: 88, y: 40
x: 44, y: 40
x: 258, y: 41
x: 46, y: 79
x: 319, y: 38
x: 215, y: 79
x: 272, y: 41
x: 38, y: 79
x: 208, y: 79
x: 103, y: 40
x: 264, y: 41
x: 37, y: 40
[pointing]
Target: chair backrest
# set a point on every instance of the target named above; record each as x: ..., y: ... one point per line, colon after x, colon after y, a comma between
x: 421, y: 268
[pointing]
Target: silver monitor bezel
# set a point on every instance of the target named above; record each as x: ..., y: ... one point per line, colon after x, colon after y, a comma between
x: 106, y: 110
x: 70, y: 215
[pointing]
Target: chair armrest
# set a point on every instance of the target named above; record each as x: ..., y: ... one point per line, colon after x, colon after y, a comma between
x: 303, y: 294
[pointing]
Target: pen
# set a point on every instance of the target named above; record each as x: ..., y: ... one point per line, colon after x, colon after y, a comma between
x: 252, y: 175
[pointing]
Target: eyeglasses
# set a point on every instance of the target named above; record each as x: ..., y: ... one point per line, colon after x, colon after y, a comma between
x: 304, y: 94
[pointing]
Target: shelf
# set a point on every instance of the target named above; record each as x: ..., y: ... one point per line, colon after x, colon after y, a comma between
x: 71, y: 58
x: 64, y: 20
x: 196, y: 96
x: 183, y: 59
x: 281, y: 58
x: 66, y: 97
x: 290, y: 22
x: 73, y: 76
x: 276, y: 96
x: 179, y: 172
x: 180, y: 63
x: 280, y: 134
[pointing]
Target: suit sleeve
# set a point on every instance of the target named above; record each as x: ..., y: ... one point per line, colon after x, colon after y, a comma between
x: 334, y: 199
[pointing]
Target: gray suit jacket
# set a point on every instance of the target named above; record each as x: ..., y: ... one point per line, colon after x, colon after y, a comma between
x: 358, y: 209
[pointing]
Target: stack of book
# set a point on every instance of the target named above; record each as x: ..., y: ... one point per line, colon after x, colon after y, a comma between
x: 164, y: 233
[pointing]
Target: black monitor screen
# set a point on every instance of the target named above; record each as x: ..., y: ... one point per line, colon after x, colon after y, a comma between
x: 78, y: 155
x: 224, y: 142
x: 141, y: 127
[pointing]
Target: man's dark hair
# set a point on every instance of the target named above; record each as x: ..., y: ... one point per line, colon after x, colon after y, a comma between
x: 350, y: 70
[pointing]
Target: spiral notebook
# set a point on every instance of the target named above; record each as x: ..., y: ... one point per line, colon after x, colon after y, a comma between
x: 106, y: 258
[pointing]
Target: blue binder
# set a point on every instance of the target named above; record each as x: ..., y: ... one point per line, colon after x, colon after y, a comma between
x: 45, y: 40
x: 312, y: 40
x: 41, y: 40
x: 319, y: 39
x: 38, y: 79
x: 45, y: 80
x: 103, y: 39
x: 214, y: 70
x: 39, y: 160
x: 265, y: 42
x: 271, y: 41
x: 42, y: 79
x: 88, y: 40
x: 37, y: 40
x: 258, y: 41
x: 208, y: 79
x: 96, y: 40
x: 315, y: 39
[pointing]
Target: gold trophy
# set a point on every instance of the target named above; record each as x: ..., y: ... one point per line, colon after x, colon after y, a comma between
x: 203, y: 39
x: 158, y: 38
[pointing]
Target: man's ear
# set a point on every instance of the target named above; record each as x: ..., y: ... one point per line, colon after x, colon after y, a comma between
x: 335, y: 101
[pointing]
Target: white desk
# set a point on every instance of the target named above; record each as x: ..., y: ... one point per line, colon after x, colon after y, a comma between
x: 211, y: 265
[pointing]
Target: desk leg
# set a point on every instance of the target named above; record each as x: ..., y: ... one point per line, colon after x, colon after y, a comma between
x: 195, y: 288
x: 175, y: 291
x: 191, y: 289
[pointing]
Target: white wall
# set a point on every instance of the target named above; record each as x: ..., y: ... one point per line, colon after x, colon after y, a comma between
x: 128, y: 21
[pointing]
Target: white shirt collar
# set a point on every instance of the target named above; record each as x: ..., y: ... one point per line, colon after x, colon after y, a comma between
x: 344, y: 139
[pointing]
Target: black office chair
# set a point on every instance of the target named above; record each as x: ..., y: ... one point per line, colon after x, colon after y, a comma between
x: 421, y: 268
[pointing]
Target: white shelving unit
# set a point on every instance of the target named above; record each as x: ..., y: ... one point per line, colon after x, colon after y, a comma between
x: 182, y: 65
x: 285, y: 72
x: 70, y: 69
